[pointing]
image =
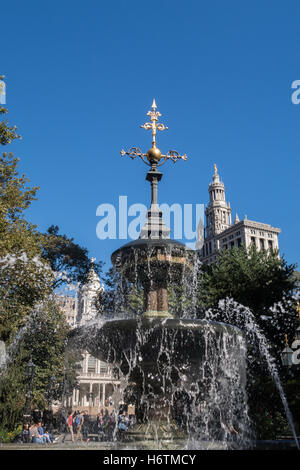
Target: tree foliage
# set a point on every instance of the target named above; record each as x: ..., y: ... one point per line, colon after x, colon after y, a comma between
x: 256, y: 279
x: 43, y: 340
x: 68, y: 259
x: 31, y: 324
x: 24, y: 277
x: 7, y: 133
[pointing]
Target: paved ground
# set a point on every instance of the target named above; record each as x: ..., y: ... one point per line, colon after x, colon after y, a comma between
x: 282, y: 444
x: 92, y: 445
x: 59, y: 445
x: 66, y: 446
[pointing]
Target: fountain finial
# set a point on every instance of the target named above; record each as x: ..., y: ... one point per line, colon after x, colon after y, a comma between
x: 154, y: 155
x: 154, y: 124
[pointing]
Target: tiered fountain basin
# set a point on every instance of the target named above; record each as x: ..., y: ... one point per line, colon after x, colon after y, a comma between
x: 171, y: 366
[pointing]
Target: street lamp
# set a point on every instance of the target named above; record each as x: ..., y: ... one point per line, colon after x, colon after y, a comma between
x: 289, y: 356
x: 29, y: 374
x: 52, y: 382
x: 30, y: 370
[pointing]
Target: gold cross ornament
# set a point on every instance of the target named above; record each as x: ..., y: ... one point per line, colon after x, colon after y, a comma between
x: 154, y: 155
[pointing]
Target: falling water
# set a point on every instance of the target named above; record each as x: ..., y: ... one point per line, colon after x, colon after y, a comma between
x: 244, y: 318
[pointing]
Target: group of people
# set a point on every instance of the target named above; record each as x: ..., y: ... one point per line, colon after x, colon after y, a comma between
x: 77, y: 424
x: 37, y: 434
x: 105, y: 425
x: 80, y: 426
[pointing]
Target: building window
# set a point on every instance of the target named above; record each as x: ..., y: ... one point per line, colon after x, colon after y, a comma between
x: 270, y: 243
x: 209, y: 247
x: 239, y: 241
x: 253, y: 241
x: 92, y: 364
x: 225, y: 246
x: 232, y: 244
x: 103, y: 368
x: 262, y: 243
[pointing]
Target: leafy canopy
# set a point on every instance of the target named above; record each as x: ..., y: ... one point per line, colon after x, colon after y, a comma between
x: 66, y: 257
x: 256, y: 279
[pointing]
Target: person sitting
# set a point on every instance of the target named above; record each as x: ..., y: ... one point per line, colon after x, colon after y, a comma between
x: 36, y: 437
x: 123, y: 422
x: 26, y: 434
x: 44, y: 433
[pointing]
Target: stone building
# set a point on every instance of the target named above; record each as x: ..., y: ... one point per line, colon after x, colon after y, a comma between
x: 69, y: 306
x: 96, y: 381
x: 220, y: 232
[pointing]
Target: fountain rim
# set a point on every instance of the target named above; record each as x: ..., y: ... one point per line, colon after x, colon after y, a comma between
x: 148, y: 243
x: 181, y: 324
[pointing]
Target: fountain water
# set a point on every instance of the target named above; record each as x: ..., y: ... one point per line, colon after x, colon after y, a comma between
x: 244, y: 318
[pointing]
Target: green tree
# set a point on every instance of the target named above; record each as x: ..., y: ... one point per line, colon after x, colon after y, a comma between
x: 68, y: 259
x: 24, y: 277
x: 256, y: 279
x: 7, y: 132
x: 31, y: 324
x: 44, y: 341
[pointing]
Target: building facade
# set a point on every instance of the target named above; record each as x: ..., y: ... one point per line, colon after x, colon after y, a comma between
x: 96, y: 382
x: 220, y: 232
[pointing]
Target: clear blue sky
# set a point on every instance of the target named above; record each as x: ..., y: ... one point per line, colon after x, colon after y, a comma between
x: 82, y: 75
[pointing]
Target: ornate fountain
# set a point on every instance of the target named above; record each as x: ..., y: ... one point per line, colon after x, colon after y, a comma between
x: 185, y: 376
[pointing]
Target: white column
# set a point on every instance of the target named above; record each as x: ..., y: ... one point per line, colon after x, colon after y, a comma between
x: 86, y: 363
x: 100, y: 385
x: 90, y: 391
x: 103, y: 396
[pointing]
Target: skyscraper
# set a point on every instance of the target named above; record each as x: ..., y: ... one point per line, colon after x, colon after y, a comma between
x: 220, y: 232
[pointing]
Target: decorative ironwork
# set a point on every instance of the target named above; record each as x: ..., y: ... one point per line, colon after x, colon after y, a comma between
x: 154, y: 157
x: 134, y: 152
